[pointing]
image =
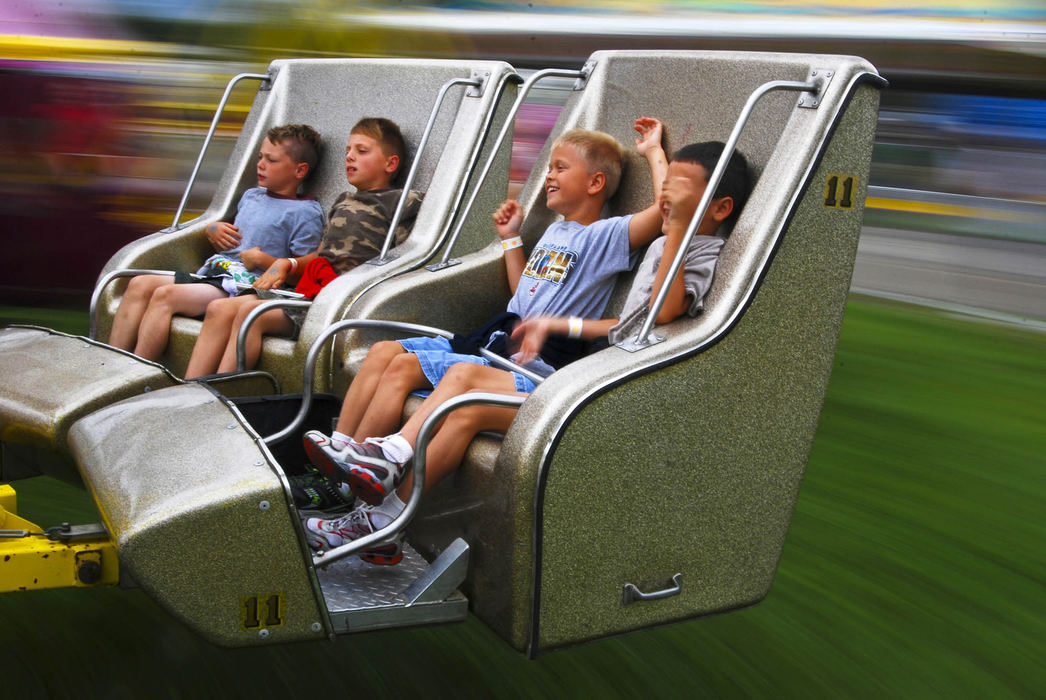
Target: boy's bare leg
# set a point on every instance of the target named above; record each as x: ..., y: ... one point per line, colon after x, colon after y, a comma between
x: 132, y: 307
x: 273, y: 322
x: 447, y: 448
x: 214, y: 335
x: 459, y: 379
x: 187, y: 299
x: 365, y: 385
x: 384, y: 411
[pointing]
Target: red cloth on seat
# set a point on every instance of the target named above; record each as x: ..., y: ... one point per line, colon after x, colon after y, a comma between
x: 316, y: 275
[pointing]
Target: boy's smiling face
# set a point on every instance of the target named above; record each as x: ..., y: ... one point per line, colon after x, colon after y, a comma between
x: 366, y: 165
x: 277, y: 171
x: 567, y: 182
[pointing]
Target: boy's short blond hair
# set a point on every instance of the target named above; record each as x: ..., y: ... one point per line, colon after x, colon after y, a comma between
x: 300, y: 141
x: 600, y: 151
x: 388, y: 136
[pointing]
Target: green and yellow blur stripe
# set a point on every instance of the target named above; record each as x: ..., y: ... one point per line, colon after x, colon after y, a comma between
x: 79, y: 49
x: 957, y: 210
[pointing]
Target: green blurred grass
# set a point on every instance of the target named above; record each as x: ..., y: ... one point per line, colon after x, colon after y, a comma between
x: 914, y: 567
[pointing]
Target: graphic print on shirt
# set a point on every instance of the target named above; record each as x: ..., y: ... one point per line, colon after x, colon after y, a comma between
x: 549, y: 265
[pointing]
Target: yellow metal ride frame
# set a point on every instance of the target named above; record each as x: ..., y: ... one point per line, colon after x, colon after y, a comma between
x: 61, y: 557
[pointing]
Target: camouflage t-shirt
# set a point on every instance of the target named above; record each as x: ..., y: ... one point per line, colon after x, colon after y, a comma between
x: 358, y: 223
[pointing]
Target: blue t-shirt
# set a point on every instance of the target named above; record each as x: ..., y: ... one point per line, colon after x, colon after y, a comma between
x: 280, y: 226
x: 572, y: 269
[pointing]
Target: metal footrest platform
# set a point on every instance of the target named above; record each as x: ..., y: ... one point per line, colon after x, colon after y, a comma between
x: 362, y: 596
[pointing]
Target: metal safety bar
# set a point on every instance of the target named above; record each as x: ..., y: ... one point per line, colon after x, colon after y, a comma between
x: 397, y: 215
x: 428, y: 426
x: 528, y: 84
x: 207, y: 141
x: 318, y: 345
x: 96, y: 295
x: 814, y: 86
x: 252, y: 316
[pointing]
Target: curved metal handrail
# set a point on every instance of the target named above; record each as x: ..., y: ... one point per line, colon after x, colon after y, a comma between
x: 528, y: 84
x: 428, y: 426
x: 318, y: 345
x: 642, y: 339
x: 175, y: 226
x: 398, y: 214
x: 252, y: 316
x: 96, y: 295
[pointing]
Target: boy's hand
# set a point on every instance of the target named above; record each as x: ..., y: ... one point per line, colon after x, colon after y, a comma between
x: 679, y: 200
x: 275, y: 276
x: 508, y: 218
x: 531, y: 334
x: 253, y: 258
x: 650, y: 132
x: 222, y: 235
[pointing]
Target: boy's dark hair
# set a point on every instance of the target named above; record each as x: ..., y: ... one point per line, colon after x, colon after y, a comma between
x: 301, y: 142
x: 736, y: 182
x: 388, y: 136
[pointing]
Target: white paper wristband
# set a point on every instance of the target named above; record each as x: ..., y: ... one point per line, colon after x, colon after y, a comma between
x: 510, y: 243
x: 574, y: 326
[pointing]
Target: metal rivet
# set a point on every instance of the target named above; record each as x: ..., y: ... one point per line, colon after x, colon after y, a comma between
x: 263, y: 634
x: 231, y: 427
x: 258, y: 463
x: 263, y: 506
x: 317, y: 627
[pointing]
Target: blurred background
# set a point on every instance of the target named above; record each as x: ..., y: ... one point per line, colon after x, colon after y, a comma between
x: 914, y: 566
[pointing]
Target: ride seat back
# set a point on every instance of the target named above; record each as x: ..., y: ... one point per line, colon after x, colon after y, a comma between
x: 332, y: 95
x: 686, y: 456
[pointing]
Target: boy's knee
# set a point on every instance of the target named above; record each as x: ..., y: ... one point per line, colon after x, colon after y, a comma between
x: 403, y: 369
x: 219, y: 310
x: 386, y: 349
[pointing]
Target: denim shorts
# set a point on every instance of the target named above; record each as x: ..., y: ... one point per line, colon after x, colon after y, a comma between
x: 436, y: 357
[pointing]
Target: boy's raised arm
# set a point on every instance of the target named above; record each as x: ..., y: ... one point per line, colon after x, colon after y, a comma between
x: 507, y: 219
x: 646, y: 225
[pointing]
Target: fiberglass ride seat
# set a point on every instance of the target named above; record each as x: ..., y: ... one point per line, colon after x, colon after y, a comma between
x: 669, y: 468
x: 331, y: 95
x: 48, y: 379
x: 635, y: 487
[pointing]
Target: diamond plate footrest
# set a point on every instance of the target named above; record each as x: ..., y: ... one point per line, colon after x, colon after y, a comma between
x: 362, y: 596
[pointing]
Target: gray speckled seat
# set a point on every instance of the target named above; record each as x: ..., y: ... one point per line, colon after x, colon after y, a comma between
x: 685, y: 457
x: 331, y: 95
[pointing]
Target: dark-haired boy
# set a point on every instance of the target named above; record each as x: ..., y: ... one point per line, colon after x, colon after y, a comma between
x: 272, y: 220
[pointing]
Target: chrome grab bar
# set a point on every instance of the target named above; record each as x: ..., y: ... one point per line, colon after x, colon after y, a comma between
x: 387, y: 533
x: 409, y: 182
x: 643, y: 340
x: 509, y: 121
x: 207, y: 141
x: 252, y: 316
x: 329, y: 332
x: 96, y: 295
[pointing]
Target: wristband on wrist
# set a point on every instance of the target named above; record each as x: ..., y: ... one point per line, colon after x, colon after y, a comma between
x: 294, y: 264
x: 510, y: 243
x: 574, y: 326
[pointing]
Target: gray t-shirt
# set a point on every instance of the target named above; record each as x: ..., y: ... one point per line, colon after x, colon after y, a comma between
x: 572, y: 269
x: 701, y: 257
x: 280, y: 226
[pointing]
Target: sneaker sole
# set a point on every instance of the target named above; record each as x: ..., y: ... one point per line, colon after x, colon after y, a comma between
x: 383, y: 556
x: 322, y: 461
x: 367, y: 487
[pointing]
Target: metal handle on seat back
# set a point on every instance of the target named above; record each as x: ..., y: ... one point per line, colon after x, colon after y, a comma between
x: 96, y: 295
x: 318, y: 345
x: 391, y: 235
x: 815, y: 86
x: 207, y: 142
x: 397, y: 526
x: 631, y: 592
x: 509, y: 120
